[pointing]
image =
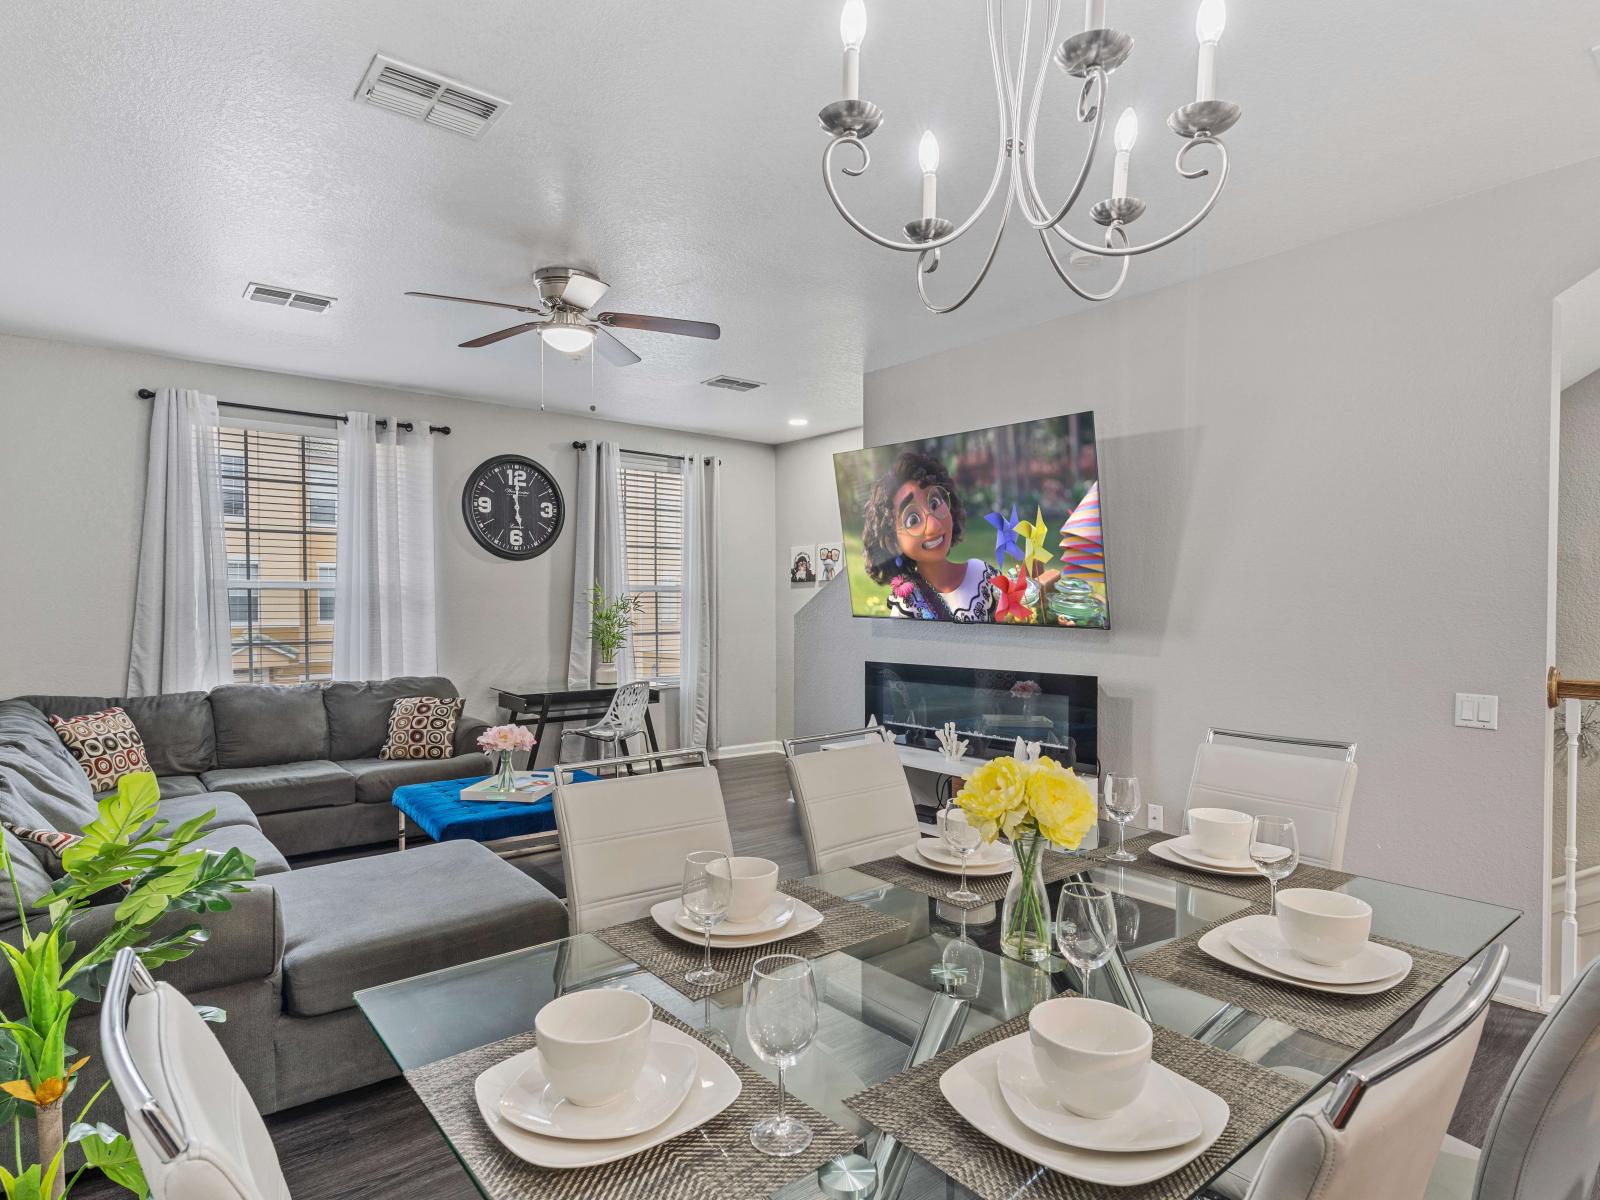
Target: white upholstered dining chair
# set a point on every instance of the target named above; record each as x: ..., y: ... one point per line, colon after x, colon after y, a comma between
x: 1273, y: 776
x: 193, y: 1125
x: 623, y: 839
x: 854, y: 802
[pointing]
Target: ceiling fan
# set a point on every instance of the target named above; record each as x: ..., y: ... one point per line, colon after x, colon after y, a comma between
x: 566, y: 294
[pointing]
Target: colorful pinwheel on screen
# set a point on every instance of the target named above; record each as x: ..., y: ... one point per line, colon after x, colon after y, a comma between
x: 1008, y: 595
x: 1082, y: 544
x: 1005, y: 536
x: 1034, y: 533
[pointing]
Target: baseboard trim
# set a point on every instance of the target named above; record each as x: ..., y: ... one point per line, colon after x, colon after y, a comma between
x: 746, y: 750
x: 1521, y: 993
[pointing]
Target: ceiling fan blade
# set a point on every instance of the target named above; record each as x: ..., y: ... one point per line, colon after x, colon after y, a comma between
x: 613, y: 351
x: 699, y: 329
x: 470, y: 300
x: 490, y: 339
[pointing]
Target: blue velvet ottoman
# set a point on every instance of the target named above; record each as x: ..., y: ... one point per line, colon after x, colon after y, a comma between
x: 440, y: 812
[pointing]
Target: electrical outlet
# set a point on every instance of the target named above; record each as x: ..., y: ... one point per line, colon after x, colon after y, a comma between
x: 1155, y: 816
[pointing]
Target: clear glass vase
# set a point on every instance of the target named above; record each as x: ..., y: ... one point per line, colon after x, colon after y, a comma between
x: 1025, y: 914
x: 505, y: 778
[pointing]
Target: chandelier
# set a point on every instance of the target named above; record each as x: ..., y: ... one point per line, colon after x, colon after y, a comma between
x: 1092, y: 56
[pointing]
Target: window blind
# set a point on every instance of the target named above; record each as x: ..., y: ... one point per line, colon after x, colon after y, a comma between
x: 652, y: 523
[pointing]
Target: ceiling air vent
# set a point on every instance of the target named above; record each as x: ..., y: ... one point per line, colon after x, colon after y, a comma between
x: 428, y: 97
x: 731, y: 383
x: 266, y: 293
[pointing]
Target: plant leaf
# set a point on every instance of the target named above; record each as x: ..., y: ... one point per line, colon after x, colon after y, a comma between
x: 116, y: 1160
x: 21, y: 1089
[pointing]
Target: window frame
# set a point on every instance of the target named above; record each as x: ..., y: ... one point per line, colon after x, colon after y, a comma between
x: 640, y: 463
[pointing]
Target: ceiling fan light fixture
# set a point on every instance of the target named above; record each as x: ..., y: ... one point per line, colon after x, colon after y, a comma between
x: 567, y: 339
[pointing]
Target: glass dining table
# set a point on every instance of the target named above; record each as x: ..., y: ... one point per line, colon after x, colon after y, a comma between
x: 900, y: 998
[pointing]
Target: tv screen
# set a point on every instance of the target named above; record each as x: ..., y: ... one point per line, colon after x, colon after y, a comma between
x: 995, y: 526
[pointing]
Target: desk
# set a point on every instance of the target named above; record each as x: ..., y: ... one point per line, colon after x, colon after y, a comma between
x: 561, y: 703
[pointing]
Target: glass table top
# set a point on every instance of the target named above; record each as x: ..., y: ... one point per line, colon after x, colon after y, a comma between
x: 892, y: 1001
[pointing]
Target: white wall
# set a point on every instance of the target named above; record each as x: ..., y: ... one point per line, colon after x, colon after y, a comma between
x: 1327, y: 481
x: 72, y: 467
x: 807, y: 513
x: 1578, y: 599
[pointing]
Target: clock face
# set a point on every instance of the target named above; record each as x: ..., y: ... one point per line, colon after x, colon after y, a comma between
x: 513, y: 507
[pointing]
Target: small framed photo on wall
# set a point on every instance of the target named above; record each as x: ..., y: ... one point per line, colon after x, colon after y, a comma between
x: 830, y: 561
x: 803, y: 566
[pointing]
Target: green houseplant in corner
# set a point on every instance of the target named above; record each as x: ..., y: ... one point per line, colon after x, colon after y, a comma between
x: 154, y: 872
x: 609, y: 623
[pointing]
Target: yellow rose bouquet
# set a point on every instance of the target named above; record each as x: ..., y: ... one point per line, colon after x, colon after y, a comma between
x: 1034, y: 803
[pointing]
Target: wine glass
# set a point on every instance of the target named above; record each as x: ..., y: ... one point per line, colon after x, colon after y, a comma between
x: 963, y: 838
x: 960, y: 967
x: 707, y: 892
x: 1122, y: 805
x: 1127, y: 911
x: 1275, y: 850
x: 1086, y: 927
x: 780, y: 1019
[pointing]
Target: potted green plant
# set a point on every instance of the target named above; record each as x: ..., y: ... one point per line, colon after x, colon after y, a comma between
x: 157, y: 872
x: 609, y: 623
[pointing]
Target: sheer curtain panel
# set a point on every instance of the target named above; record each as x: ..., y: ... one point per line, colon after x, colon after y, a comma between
x: 384, y: 598
x: 181, y: 636
x: 697, y: 694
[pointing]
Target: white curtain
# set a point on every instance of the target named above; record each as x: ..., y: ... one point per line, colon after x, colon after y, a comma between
x: 697, y: 690
x: 181, y: 637
x: 384, y: 599
x: 598, y: 557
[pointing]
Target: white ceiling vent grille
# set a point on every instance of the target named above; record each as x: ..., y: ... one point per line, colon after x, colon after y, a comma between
x: 429, y: 97
x: 266, y: 293
x: 731, y: 383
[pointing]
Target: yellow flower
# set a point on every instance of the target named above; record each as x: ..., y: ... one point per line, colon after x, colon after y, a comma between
x: 995, y: 797
x: 1060, y: 803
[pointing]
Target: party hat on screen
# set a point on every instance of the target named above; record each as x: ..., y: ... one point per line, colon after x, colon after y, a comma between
x: 1082, y: 544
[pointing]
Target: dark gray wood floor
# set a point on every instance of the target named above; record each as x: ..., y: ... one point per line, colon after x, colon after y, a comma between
x: 378, y: 1143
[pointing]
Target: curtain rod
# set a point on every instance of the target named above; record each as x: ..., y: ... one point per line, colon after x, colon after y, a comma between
x: 650, y: 453
x: 147, y: 394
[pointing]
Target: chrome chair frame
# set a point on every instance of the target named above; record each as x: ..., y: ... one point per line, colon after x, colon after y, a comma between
x: 656, y: 756
x: 1347, y: 748
x: 813, y: 739
x: 128, y: 974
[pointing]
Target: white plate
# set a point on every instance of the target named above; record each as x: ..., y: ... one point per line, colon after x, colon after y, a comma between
x: 1162, y: 1117
x: 1165, y: 850
x: 914, y: 856
x: 665, y: 915
x: 532, y: 1102
x: 1265, y: 944
x: 1184, y: 844
x: 1219, y: 945
x: 972, y: 1087
x: 775, y: 916
x: 715, y: 1087
x: 989, y: 854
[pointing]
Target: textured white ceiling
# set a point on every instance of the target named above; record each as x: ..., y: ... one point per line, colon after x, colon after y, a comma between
x: 159, y: 154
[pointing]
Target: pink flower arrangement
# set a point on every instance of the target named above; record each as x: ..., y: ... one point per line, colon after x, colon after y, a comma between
x: 506, y: 737
x: 1024, y: 688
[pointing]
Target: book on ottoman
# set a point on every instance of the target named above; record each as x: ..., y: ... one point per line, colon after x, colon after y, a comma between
x: 532, y: 786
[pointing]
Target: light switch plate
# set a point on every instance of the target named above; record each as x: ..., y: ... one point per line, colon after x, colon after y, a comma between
x: 1155, y: 816
x: 1477, y: 712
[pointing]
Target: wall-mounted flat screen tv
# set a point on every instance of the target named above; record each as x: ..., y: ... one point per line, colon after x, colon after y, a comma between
x: 996, y: 526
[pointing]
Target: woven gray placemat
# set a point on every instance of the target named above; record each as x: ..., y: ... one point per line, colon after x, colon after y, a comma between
x: 844, y: 923
x: 1253, y: 888
x: 911, y: 1107
x: 990, y: 889
x: 713, y: 1162
x: 1353, y: 1021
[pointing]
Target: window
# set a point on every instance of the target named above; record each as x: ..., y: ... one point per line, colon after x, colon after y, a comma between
x: 652, y: 525
x: 280, y: 507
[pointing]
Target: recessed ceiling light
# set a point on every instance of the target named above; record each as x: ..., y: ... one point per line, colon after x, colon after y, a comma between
x: 797, y: 421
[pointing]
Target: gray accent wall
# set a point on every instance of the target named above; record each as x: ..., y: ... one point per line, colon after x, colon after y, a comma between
x: 1327, y: 499
x: 1578, y: 603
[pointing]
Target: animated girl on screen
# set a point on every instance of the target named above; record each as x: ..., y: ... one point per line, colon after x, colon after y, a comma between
x: 912, y: 519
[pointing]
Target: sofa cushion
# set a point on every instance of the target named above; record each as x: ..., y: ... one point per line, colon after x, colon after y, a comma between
x: 41, y: 784
x: 175, y: 787
x: 106, y: 745
x: 33, y: 881
x: 261, y: 724
x: 228, y: 808
x: 422, y: 727
x: 288, y: 786
x: 175, y: 727
x: 251, y: 841
x: 358, y: 711
x: 356, y: 924
x: 377, y: 778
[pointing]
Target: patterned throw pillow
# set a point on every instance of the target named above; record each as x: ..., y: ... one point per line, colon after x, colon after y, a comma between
x: 52, y: 840
x: 422, y: 727
x: 106, y: 745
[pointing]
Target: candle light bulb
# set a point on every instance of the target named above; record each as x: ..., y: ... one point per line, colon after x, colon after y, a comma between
x: 1127, y: 131
x: 928, y: 153
x: 1209, y: 22
x: 853, y: 23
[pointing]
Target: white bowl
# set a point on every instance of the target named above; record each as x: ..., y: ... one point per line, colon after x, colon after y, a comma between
x: 1221, y: 832
x: 1325, y: 928
x: 755, y: 883
x: 1094, y: 1055
x: 593, y: 1044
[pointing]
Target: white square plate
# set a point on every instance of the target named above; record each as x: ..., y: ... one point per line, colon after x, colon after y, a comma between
x: 913, y: 855
x: 666, y: 913
x: 1218, y: 943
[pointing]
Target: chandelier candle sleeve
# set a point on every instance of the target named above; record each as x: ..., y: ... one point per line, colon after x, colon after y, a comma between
x: 928, y: 160
x: 852, y: 28
x: 1127, y: 134
x: 1094, y: 14
x: 1208, y: 26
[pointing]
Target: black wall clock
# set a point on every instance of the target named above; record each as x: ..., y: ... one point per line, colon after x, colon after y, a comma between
x: 513, y: 507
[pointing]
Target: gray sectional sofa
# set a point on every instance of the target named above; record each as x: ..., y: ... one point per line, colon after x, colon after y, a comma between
x: 288, y: 771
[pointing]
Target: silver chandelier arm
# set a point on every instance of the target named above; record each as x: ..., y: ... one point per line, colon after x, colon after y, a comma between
x: 1001, y: 155
x: 1067, y: 279
x: 923, y: 270
x: 1204, y: 139
x: 1024, y: 168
